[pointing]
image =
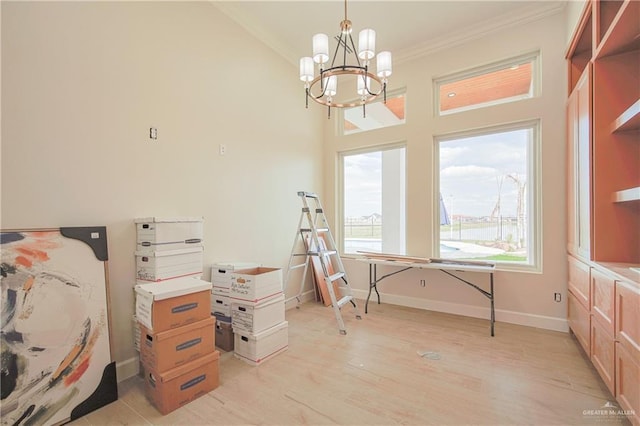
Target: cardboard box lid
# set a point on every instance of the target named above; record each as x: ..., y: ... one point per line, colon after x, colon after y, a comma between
x: 255, y: 271
x: 155, y: 219
x: 159, y: 336
x: 172, y: 288
x: 164, y: 253
x: 185, y: 368
x: 234, y: 265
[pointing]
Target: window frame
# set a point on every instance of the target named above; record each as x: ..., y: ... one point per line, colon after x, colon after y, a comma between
x: 534, y: 193
x: 536, y: 89
x: 390, y: 94
x: 340, y: 213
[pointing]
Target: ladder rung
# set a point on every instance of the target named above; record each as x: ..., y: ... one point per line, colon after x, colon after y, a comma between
x: 307, y: 194
x: 336, y: 276
x: 318, y: 230
x: 298, y: 266
x: 343, y: 301
x: 328, y: 252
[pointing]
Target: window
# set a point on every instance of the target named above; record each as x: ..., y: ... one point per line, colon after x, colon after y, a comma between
x: 501, y: 82
x: 373, y: 200
x: 488, y: 195
x: 378, y: 115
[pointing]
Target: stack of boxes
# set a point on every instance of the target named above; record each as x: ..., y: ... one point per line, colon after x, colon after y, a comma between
x: 176, y: 336
x: 221, y: 301
x: 257, y: 314
x: 177, y: 346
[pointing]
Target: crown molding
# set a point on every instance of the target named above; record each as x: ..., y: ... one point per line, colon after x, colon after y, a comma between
x: 532, y: 13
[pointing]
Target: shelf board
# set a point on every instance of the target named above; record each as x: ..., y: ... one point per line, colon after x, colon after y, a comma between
x: 631, y: 194
x: 628, y: 120
x: 624, y: 32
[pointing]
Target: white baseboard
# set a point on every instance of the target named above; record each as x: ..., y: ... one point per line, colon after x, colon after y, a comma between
x: 127, y: 368
x: 511, y: 317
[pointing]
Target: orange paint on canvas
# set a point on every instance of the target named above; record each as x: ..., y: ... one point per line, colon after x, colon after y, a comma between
x: 28, y: 284
x: 23, y: 261
x: 77, y: 373
x: 36, y: 254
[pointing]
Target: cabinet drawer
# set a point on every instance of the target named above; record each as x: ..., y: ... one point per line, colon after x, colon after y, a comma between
x: 602, y: 299
x: 603, y: 353
x: 580, y: 322
x: 627, y: 383
x: 628, y: 316
x: 579, y: 281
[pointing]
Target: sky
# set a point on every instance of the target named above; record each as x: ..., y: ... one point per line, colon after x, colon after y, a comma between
x: 473, y: 174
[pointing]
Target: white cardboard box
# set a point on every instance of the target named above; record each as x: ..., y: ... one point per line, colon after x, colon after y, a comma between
x: 171, y: 233
x: 174, y: 303
x: 254, y: 318
x: 256, y: 284
x: 220, y: 304
x: 164, y: 265
x: 221, y: 272
x: 257, y: 348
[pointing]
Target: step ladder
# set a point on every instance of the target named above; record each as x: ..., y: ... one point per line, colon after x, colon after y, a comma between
x: 313, y: 230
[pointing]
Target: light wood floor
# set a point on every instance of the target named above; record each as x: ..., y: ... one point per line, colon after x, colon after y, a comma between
x: 375, y: 376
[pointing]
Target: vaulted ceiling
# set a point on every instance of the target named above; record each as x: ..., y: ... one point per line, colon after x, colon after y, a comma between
x: 407, y: 28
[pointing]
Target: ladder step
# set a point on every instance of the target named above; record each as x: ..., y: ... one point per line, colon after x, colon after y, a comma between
x: 298, y: 266
x: 318, y: 230
x: 344, y: 300
x: 336, y: 276
x: 322, y: 253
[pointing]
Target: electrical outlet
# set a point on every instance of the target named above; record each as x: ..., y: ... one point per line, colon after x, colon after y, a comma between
x: 222, y: 149
x: 153, y: 133
x: 557, y: 297
x: 423, y: 283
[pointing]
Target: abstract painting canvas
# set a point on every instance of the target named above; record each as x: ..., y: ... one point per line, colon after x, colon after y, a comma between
x: 55, y: 344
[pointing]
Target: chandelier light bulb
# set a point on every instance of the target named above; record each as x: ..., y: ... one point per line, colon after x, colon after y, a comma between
x: 367, y: 44
x: 364, y: 84
x: 383, y: 63
x: 331, y: 85
x: 306, y: 69
x: 320, y: 48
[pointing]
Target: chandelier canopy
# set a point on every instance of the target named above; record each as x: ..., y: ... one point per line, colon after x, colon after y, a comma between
x: 351, y: 63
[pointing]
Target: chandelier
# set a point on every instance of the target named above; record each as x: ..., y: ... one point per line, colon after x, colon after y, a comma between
x: 323, y: 88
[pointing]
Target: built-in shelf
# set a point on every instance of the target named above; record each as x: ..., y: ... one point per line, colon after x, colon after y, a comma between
x: 631, y: 194
x: 628, y: 120
x: 622, y: 34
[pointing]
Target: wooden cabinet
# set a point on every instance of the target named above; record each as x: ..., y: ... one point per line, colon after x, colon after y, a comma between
x: 603, y: 193
x: 603, y: 299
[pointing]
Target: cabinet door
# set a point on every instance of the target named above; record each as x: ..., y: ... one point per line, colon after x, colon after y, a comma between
x: 579, y: 167
x: 583, y: 149
x: 603, y: 299
x: 602, y: 353
x: 628, y: 316
x: 579, y: 281
x: 628, y: 383
x: 580, y: 322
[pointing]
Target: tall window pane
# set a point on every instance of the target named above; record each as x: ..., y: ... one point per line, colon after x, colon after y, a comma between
x: 373, y: 192
x: 486, y: 184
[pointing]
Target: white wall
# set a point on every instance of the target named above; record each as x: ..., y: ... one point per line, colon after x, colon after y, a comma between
x: 525, y: 298
x: 81, y: 85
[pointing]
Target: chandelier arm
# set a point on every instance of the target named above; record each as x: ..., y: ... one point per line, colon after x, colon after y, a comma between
x: 355, y: 52
x: 335, y: 54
